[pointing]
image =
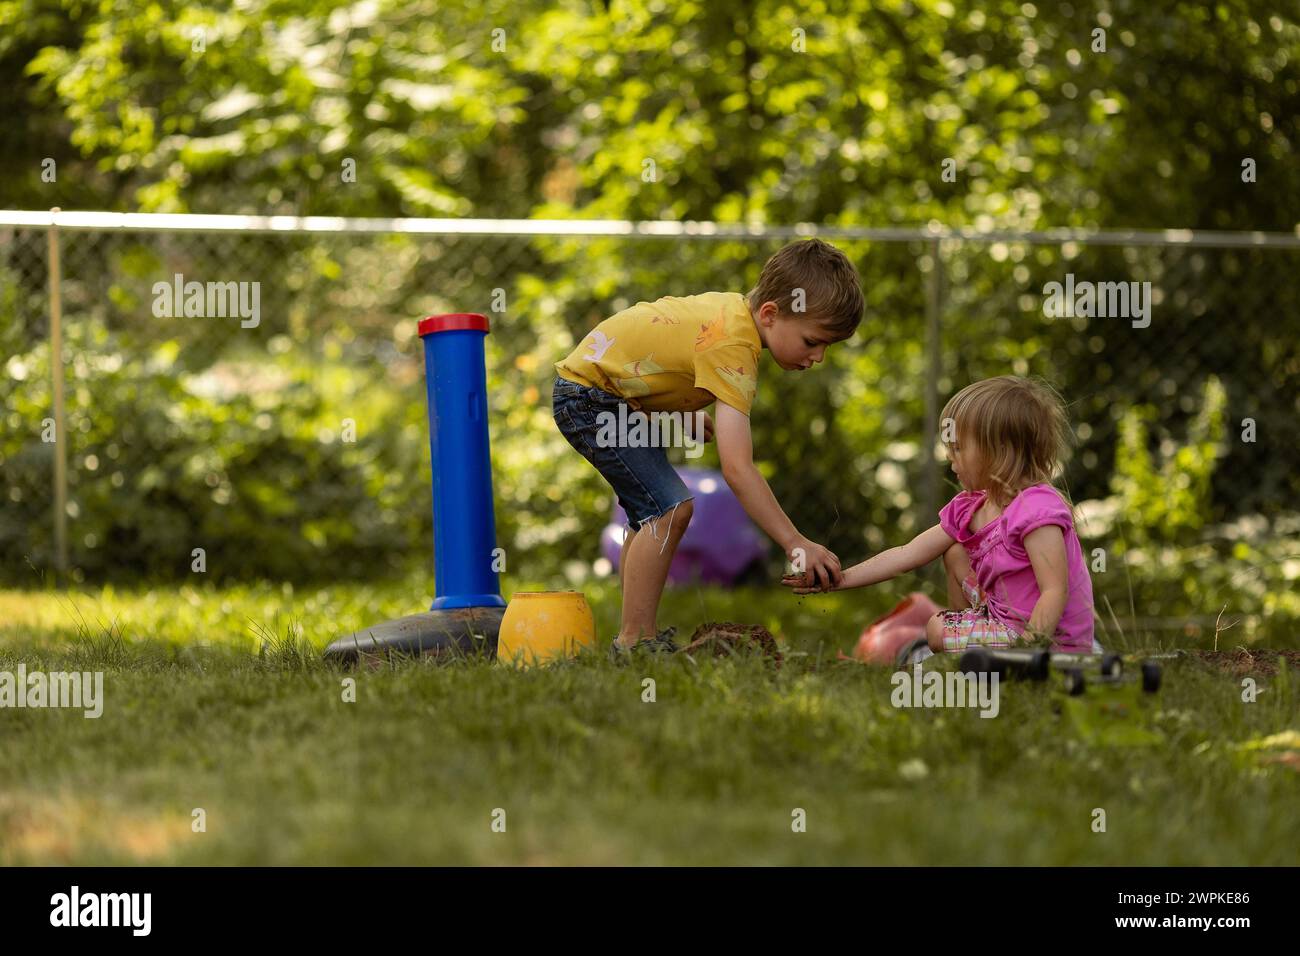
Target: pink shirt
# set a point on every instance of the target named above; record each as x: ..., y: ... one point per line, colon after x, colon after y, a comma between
x: 1001, y: 564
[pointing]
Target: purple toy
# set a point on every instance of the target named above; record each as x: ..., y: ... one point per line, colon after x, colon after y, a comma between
x: 721, y: 546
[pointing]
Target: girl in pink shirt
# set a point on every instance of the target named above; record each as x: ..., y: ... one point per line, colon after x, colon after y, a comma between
x: 1015, y: 566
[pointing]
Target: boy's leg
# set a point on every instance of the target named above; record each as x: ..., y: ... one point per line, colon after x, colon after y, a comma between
x: 628, y: 535
x: 956, y: 563
x: 645, y: 563
x: 643, y: 480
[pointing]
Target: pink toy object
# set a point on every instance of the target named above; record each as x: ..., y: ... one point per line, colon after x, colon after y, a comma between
x: 882, y: 640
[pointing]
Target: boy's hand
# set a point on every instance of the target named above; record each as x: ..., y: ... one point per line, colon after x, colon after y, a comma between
x: 821, y: 566
x: 800, y: 584
x: 707, y: 423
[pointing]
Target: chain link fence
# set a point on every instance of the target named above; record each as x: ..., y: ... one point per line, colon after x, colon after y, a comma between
x: 159, y: 456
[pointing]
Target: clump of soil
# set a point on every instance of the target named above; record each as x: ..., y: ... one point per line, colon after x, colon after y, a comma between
x: 1243, y: 661
x: 724, y: 638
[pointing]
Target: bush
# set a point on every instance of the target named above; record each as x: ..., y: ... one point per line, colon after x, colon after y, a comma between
x: 244, y: 461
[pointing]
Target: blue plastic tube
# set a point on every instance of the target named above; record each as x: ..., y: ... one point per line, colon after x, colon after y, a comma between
x: 464, y: 525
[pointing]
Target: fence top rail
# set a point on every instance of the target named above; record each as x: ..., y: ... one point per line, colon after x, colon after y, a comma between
x: 77, y: 221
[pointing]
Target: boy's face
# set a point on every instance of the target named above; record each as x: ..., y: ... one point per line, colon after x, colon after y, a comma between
x: 797, y: 343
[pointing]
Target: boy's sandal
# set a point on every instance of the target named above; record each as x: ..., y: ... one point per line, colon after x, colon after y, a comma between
x: 661, y: 643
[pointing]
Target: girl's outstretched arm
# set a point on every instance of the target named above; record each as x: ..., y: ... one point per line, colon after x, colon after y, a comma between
x: 918, y: 552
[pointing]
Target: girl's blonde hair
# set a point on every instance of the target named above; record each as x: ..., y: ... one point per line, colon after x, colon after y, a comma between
x: 1018, y: 425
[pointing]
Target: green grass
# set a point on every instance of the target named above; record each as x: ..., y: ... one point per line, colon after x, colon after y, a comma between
x: 217, y: 699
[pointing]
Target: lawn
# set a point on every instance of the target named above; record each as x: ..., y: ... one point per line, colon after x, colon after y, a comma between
x: 217, y: 700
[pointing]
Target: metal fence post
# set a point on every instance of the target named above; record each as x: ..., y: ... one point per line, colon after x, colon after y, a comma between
x: 933, y: 312
x: 56, y: 370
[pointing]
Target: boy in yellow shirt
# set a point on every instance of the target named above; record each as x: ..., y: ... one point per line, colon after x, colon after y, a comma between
x: 671, y: 358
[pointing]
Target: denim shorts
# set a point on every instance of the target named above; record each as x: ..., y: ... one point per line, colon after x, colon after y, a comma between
x: 645, y: 482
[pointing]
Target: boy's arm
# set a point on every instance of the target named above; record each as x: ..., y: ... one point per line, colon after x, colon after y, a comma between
x: 736, y: 450
x: 1045, y: 546
x: 917, y: 553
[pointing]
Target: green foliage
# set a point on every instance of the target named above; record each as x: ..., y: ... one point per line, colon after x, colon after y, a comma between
x: 762, y: 112
x: 765, y: 111
x: 1240, y: 579
x: 1166, y: 497
x: 245, y: 461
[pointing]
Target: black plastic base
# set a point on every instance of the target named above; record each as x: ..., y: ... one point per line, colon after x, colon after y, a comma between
x: 452, y: 633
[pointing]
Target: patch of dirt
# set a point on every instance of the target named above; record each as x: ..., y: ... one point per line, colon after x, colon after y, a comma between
x: 724, y: 638
x: 1242, y: 661
x: 57, y: 828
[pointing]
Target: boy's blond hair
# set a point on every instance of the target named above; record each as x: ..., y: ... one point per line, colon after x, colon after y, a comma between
x: 1020, y: 428
x: 832, y: 292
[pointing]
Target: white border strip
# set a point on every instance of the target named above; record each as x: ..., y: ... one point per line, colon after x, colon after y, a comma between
x: 74, y: 221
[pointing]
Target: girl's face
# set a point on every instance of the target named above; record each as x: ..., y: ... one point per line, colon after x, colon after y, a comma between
x: 967, y: 463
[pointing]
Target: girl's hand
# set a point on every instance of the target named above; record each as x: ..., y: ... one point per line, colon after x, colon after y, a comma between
x: 803, y: 585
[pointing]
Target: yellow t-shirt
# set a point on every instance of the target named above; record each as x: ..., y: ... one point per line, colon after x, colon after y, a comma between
x: 673, y: 354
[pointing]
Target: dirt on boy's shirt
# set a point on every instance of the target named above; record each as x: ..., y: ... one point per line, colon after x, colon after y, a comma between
x: 673, y: 354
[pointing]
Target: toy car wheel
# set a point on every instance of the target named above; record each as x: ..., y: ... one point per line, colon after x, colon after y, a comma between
x: 1040, y: 665
x: 1150, y: 677
x: 975, y: 661
x: 1074, y: 682
x: 1112, y: 665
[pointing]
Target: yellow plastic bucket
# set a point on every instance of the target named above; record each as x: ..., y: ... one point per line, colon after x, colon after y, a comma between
x: 544, y: 626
